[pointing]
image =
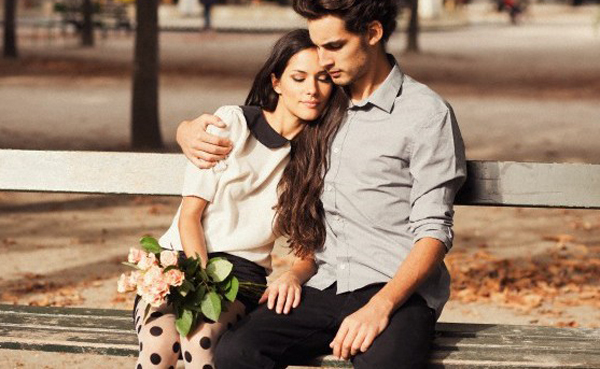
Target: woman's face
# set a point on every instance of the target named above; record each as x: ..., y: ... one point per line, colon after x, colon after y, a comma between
x: 304, y: 87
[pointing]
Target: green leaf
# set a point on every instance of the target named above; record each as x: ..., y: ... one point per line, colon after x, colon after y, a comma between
x: 218, y: 269
x: 146, y: 311
x: 225, y: 285
x: 130, y: 265
x: 233, y: 289
x: 170, y: 267
x: 203, y: 275
x: 191, y: 267
x: 201, y: 291
x: 150, y: 244
x: 211, y: 306
x: 184, y: 322
x: 186, y: 287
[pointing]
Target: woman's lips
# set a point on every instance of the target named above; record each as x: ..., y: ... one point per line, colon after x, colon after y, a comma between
x: 311, y: 104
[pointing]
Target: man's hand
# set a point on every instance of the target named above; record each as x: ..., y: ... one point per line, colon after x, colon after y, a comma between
x: 359, y: 330
x: 201, y: 148
x: 283, y: 294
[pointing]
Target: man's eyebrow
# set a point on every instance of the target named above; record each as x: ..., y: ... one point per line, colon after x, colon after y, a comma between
x: 299, y: 71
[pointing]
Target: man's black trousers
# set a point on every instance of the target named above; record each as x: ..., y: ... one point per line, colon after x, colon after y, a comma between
x: 267, y: 340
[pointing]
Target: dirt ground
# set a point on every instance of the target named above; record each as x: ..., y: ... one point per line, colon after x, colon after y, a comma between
x: 524, y: 93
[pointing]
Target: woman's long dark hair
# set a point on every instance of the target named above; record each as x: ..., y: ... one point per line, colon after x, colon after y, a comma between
x: 299, y: 211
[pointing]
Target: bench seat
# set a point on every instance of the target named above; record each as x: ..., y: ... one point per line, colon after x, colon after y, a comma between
x: 111, y: 332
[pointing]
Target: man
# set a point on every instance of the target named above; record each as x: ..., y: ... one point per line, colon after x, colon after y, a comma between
x: 396, y: 164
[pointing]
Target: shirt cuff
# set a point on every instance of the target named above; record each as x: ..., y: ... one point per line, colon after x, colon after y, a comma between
x: 445, y: 235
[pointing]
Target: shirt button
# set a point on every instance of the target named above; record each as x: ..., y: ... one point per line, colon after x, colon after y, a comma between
x: 328, y: 188
x: 343, y: 266
x: 336, y: 150
x: 338, y: 218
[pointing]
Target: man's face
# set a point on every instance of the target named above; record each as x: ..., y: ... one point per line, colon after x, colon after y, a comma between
x: 343, y: 54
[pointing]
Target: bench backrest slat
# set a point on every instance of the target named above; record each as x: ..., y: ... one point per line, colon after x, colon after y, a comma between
x: 489, y: 183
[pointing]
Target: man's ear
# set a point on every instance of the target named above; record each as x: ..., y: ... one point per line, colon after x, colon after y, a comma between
x: 275, y: 83
x: 374, y: 32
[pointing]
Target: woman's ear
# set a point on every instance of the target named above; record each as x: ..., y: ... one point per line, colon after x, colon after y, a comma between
x: 275, y: 83
x: 374, y: 32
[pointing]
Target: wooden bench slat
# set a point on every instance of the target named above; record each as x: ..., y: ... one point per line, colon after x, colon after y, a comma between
x: 121, y: 319
x: 488, y: 183
x: 110, y: 332
x: 516, y: 331
x: 56, y: 331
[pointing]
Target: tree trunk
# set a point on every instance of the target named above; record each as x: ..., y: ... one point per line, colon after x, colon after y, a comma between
x: 145, y: 128
x: 413, y: 28
x: 10, y: 34
x: 87, y: 31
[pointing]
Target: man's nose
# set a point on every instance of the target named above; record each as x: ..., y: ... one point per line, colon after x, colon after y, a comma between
x: 325, y: 58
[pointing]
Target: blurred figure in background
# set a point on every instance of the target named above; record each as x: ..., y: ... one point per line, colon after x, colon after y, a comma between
x: 207, y: 4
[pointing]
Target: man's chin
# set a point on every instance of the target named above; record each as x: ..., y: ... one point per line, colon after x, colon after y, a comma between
x: 342, y: 80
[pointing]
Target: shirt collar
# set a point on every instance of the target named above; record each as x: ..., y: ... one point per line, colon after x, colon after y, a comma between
x: 261, y: 129
x: 385, y: 95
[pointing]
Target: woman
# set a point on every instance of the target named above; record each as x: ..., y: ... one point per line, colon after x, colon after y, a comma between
x: 280, y: 139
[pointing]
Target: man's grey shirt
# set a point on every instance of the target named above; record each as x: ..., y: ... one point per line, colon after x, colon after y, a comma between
x: 395, y: 166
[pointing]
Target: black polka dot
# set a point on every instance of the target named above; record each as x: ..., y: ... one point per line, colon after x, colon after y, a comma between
x: 139, y: 328
x: 205, y: 343
x: 156, y: 331
x: 156, y: 314
x: 155, y: 359
x: 141, y: 346
x: 139, y: 366
x: 207, y: 366
x: 176, y: 347
x: 188, y: 357
x: 229, y: 325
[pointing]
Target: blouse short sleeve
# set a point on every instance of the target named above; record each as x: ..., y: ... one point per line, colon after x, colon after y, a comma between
x: 203, y: 182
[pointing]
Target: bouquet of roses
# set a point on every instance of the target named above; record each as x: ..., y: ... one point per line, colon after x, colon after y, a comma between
x: 161, y: 276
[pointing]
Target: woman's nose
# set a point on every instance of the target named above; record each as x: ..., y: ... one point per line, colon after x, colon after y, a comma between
x: 311, y: 87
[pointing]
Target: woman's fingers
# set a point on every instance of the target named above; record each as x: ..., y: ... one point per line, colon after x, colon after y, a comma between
x: 297, y: 295
x: 264, y: 297
x: 291, y: 296
x: 272, y: 298
x: 281, y: 298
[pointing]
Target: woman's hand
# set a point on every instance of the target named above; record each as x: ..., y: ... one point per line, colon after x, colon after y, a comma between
x: 283, y: 294
x: 200, y: 147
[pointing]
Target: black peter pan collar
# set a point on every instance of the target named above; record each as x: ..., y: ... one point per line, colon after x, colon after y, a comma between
x: 260, y: 128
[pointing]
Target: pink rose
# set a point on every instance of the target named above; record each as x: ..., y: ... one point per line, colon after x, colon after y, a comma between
x: 174, y: 277
x: 154, y: 300
x: 153, y: 275
x: 135, y: 255
x: 168, y: 258
x: 126, y: 283
x: 134, y: 279
x: 122, y: 284
x: 147, y: 260
x: 155, y: 281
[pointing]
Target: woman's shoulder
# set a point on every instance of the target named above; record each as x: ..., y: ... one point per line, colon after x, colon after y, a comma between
x: 233, y: 117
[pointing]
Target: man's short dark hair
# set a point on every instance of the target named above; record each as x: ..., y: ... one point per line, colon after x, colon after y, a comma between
x: 356, y: 14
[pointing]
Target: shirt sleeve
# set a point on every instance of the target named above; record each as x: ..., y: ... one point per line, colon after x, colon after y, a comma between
x: 204, y: 183
x: 438, y: 168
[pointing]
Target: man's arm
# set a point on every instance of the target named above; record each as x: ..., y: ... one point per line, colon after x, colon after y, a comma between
x: 201, y: 148
x: 358, y: 330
